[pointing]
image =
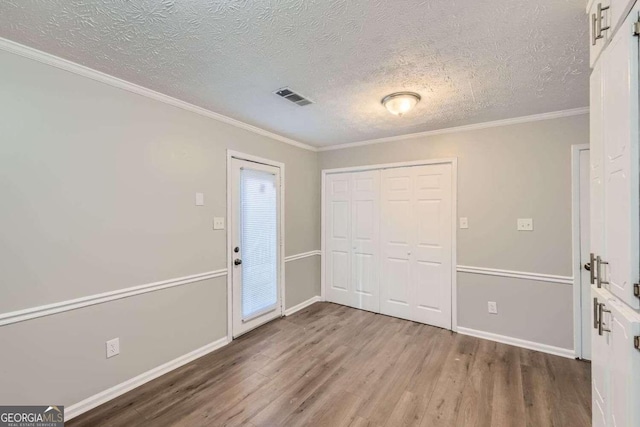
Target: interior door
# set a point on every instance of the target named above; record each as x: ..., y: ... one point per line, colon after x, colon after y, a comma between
x: 416, y: 236
x: 621, y: 117
x: 596, y: 159
x: 256, y: 244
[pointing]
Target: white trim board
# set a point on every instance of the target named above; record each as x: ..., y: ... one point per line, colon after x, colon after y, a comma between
x: 465, y: 128
x: 73, y: 304
x: 89, y: 403
x: 63, y: 64
x: 302, y: 255
x: 517, y: 342
x: 302, y: 305
x: 539, y: 277
x: 576, y: 248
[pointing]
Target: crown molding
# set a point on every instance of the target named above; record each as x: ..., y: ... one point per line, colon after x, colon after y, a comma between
x: 476, y: 126
x: 63, y: 64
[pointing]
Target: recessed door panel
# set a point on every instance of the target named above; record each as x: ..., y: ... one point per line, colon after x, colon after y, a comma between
x: 620, y: 100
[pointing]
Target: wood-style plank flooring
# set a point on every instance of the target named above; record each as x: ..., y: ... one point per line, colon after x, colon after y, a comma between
x: 330, y: 365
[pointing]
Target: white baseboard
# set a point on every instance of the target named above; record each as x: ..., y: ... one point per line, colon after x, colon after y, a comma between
x: 302, y: 305
x: 530, y: 345
x: 117, y: 390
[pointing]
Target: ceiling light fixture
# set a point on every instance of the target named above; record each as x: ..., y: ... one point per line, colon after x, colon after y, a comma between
x: 400, y: 102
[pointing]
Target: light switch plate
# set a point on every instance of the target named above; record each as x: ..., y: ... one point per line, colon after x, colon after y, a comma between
x: 464, y: 222
x: 492, y: 306
x: 218, y: 223
x: 113, y: 347
x: 525, y: 224
x: 199, y: 199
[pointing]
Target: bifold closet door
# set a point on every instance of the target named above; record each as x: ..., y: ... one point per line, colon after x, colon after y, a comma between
x: 352, y: 239
x: 416, y: 236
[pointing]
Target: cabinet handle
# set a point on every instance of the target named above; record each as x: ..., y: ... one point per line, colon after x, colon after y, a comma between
x: 596, y: 321
x: 601, y: 327
x: 599, y: 280
x: 596, y: 24
x: 592, y: 268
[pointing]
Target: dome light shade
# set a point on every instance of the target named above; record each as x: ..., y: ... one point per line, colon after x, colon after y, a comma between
x: 400, y: 102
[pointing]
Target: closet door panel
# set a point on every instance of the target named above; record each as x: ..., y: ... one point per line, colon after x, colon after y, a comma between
x: 397, y: 228
x: 365, y: 241
x: 431, y: 282
x: 338, y: 238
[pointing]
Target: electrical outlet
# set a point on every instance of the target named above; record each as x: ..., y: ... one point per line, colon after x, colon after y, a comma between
x: 525, y: 224
x: 113, y: 347
x: 464, y: 222
x: 218, y: 223
x: 493, y: 307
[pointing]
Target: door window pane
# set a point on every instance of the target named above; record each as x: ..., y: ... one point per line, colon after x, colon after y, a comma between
x: 259, y: 242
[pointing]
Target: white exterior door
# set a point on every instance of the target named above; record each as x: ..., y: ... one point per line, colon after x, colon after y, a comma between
x: 621, y: 117
x: 417, y: 244
x: 256, y: 245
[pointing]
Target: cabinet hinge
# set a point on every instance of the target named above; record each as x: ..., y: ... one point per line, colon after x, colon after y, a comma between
x: 636, y: 290
x: 636, y: 28
x: 636, y: 342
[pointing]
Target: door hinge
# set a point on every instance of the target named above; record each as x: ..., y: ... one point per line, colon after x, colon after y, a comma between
x: 636, y: 28
x: 636, y: 342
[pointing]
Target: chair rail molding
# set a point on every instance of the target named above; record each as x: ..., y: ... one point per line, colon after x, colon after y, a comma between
x: 73, y: 304
x: 539, y: 277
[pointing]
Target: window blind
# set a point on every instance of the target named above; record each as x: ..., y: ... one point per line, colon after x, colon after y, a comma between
x: 259, y: 240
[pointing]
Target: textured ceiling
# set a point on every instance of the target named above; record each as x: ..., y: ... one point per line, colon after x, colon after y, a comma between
x: 471, y: 60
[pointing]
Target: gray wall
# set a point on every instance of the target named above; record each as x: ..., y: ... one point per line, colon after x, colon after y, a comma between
x: 504, y: 173
x: 97, y: 187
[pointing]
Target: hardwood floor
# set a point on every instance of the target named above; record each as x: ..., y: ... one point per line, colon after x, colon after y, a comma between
x: 330, y: 365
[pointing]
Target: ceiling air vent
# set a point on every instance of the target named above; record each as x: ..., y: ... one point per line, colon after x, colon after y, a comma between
x: 290, y: 95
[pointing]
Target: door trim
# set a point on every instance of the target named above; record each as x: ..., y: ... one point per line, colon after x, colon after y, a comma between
x: 231, y: 154
x: 454, y: 214
x: 575, y: 247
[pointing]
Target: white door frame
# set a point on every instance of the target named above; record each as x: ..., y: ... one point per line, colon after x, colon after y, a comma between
x: 242, y: 156
x: 454, y: 213
x: 575, y: 247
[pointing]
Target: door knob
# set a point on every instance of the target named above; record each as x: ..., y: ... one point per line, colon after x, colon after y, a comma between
x: 587, y: 266
x: 237, y: 261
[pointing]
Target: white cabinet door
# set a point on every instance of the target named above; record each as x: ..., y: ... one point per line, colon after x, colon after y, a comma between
x: 624, y: 366
x: 599, y: 18
x: 339, y: 288
x: 600, y: 354
x: 621, y: 117
x: 417, y: 244
x: 365, y: 242
x: 596, y: 158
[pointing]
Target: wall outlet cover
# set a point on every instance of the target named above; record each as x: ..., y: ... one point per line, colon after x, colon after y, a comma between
x: 113, y: 347
x: 464, y: 222
x: 218, y: 223
x: 525, y: 224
